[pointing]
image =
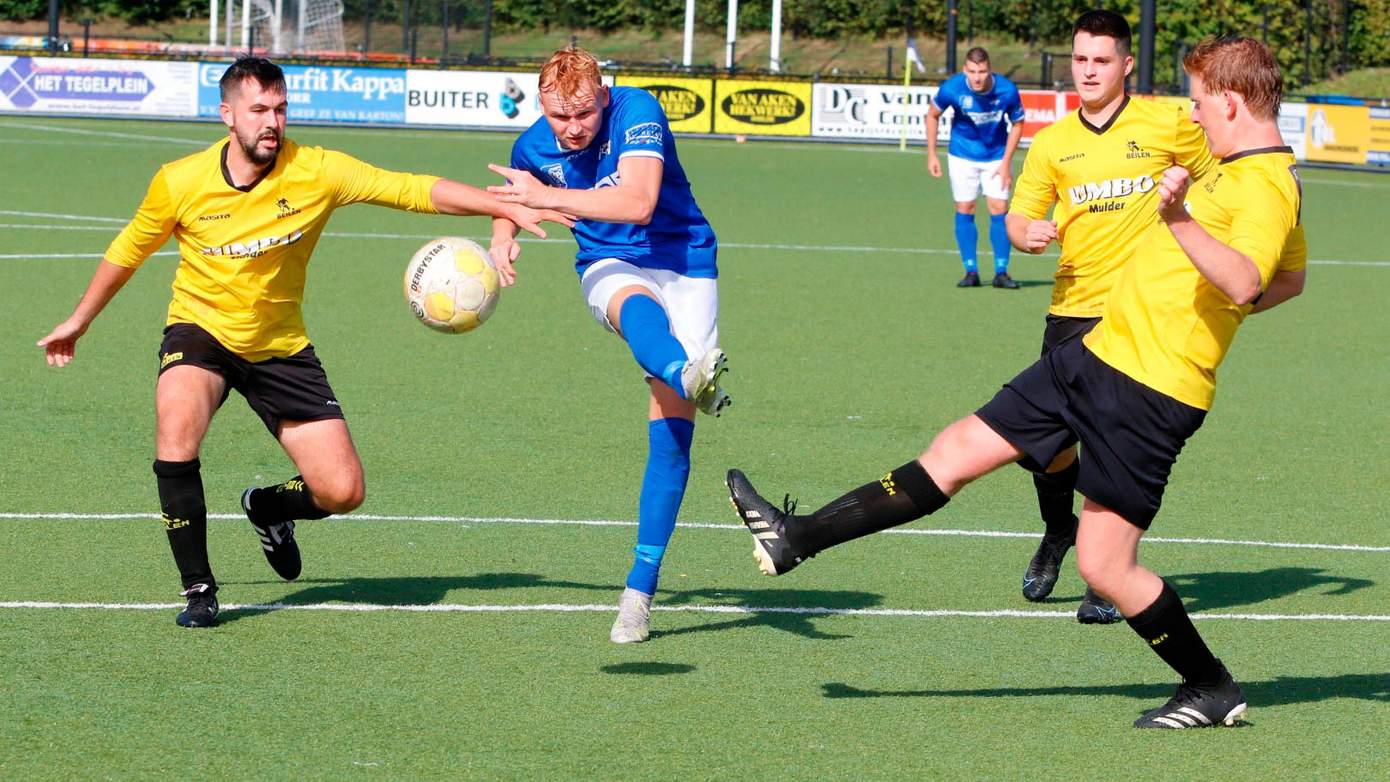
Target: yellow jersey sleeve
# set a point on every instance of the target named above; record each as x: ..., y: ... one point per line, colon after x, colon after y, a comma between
x: 354, y: 182
x: 1190, y: 148
x: 1295, y: 256
x: 150, y: 228
x: 1263, y: 214
x: 1036, y: 189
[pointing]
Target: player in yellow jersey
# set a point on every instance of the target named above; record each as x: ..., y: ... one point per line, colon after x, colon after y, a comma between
x: 1100, y: 166
x: 1132, y: 391
x: 247, y: 212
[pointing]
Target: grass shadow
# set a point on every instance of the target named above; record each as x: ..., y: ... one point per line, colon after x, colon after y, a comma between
x: 647, y: 668
x: 1218, y: 590
x: 783, y: 609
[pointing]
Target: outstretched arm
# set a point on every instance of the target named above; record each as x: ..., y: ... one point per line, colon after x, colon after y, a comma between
x: 631, y: 200
x: 62, y: 340
x: 455, y: 198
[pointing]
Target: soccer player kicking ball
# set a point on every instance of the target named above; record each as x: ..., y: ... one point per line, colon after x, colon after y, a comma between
x: 1101, y: 166
x: 1132, y: 391
x: 247, y: 212
x: 986, y: 124
x: 646, y: 267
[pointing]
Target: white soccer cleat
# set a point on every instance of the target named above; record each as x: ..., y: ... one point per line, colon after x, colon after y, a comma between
x: 700, y: 381
x: 634, y: 613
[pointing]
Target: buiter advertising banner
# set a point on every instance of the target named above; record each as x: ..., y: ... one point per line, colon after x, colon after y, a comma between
x: 1338, y: 134
x: 324, y: 94
x: 66, y: 85
x: 1379, y: 153
x: 477, y: 100
x: 762, y: 108
x: 688, y: 103
x: 878, y: 111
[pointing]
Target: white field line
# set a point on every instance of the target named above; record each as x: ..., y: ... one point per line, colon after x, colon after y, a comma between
x: 465, y: 520
x: 107, y: 133
x: 65, y: 256
x: 826, y: 248
x: 56, y: 216
x: 456, y: 608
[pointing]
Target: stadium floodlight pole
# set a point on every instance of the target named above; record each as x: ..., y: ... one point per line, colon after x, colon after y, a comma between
x: 53, y: 26
x: 276, y: 23
x: 730, y: 35
x: 688, y: 52
x: 1146, y: 47
x: 212, y: 22
x: 952, y: 9
x: 302, y: 22
x: 775, y: 56
x: 227, y: 21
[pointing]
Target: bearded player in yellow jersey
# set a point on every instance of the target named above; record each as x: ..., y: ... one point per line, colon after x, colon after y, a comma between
x: 1100, y: 165
x: 1132, y: 391
x: 247, y: 213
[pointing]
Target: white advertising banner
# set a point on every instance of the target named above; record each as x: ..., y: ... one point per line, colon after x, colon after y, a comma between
x: 473, y: 99
x: 67, y: 85
x: 877, y: 111
x: 1293, y: 126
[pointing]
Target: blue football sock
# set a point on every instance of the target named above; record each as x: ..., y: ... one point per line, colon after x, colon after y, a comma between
x: 647, y: 330
x: 967, y: 236
x: 663, y: 486
x: 999, y: 240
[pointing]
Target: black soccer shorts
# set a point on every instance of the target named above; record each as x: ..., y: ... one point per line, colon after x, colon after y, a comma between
x: 1130, y: 434
x: 294, y: 388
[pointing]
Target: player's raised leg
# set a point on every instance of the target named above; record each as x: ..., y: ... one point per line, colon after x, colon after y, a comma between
x: 186, y: 397
x: 964, y: 451
x: 1107, y: 548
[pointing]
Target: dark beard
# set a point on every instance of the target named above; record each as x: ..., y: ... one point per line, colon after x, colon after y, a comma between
x: 255, y: 155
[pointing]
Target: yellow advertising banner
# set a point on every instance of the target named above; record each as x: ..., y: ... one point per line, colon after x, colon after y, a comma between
x: 762, y: 108
x: 688, y: 103
x: 1338, y: 134
x: 1379, y: 153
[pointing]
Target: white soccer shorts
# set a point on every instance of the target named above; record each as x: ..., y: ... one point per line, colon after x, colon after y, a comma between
x: 969, y: 178
x: 691, y: 303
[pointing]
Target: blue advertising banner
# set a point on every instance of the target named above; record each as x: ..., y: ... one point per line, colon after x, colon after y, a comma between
x: 323, y: 93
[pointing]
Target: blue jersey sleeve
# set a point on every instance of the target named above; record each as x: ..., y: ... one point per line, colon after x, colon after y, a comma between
x: 1013, y: 107
x: 945, y: 97
x: 639, y: 128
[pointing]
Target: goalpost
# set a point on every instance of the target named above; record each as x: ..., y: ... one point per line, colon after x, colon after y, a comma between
x: 281, y: 26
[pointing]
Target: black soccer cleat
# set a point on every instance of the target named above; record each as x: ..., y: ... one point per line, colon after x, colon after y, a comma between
x: 1003, y: 280
x: 1199, y: 707
x: 970, y: 280
x: 201, y: 610
x: 277, y: 541
x: 772, y: 551
x: 1041, y: 575
x: 1096, y: 610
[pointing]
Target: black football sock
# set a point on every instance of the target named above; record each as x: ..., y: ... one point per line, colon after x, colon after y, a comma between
x: 283, y: 502
x: 902, y: 495
x: 1055, y: 492
x: 1169, y: 631
x: 185, y: 516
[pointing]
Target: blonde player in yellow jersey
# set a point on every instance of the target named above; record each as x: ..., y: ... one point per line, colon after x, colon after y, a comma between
x: 1132, y: 391
x: 1100, y: 166
x: 247, y: 212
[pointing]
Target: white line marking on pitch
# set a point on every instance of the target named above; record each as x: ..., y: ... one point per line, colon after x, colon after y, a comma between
x: 40, y: 256
x: 455, y: 608
x: 948, y: 533
x: 107, y: 133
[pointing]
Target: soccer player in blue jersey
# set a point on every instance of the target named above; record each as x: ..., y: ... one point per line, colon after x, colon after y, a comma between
x: 986, y: 124
x: 646, y: 266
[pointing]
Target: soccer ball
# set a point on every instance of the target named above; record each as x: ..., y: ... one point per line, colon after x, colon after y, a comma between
x: 451, y: 285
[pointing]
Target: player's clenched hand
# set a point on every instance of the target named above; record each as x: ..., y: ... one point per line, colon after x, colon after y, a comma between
x: 933, y: 165
x: 521, y: 188
x: 1039, y: 234
x: 1172, y: 192
x: 59, y: 344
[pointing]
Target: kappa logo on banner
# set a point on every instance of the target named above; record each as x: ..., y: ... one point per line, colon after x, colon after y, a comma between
x: 645, y: 133
x: 761, y: 106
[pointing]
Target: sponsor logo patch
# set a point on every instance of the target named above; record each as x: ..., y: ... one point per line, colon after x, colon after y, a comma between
x: 645, y: 133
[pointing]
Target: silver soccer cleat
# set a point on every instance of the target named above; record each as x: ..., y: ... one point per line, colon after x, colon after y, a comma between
x: 634, y: 613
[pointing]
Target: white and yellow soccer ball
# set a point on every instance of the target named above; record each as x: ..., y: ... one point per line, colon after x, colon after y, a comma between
x: 451, y: 285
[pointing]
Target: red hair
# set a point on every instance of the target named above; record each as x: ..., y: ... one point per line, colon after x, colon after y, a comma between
x: 571, y: 71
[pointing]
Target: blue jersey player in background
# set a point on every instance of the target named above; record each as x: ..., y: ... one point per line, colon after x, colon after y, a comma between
x: 646, y: 266
x: 986, y: 124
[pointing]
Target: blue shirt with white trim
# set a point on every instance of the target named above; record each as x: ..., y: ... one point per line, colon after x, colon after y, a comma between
x: 678, y: 238
x: 978, y: 128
